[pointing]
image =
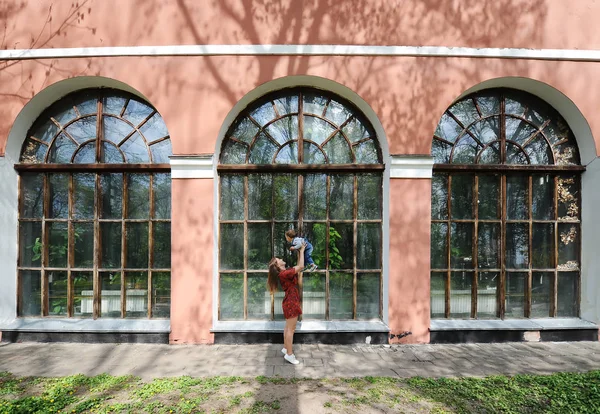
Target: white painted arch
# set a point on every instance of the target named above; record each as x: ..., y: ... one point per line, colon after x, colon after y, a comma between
x: 326, y: 85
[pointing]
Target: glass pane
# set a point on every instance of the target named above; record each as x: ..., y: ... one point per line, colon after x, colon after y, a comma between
x: 110, y: 234
x: 341, y: 246
x: 488, y: 246
x: 568, y: 198
x: 162, y: 245
x: 138, y: 196
x: 566, y: 154
x: 30, y: 240
x: 45, y: 131
x: 369, y: 196
x: 543, y: 246
x: 31, y: 291
x: 313, y: 296
x: 337, y: 113
x: 438, y: 294
x: 136, y: 112
x: 312, y: 154
x: 161, y: 294
x: 62, y: 150
x: 245, y: 131
x: 340, y: 295
x: 355, y: 130
x: 369, y: 246
x: 490, y: 155
x: 517, y: 198
x: 366, y: 153
x: 439, y: 245
x: 440, y: 152
x: 263, y: 150
x: 515, y: 295
x: 465, y: 151
x: 161, y: 151
x: 263, y: 114
x: 541, y: 283
x: 281, y: 248
x: 284, y: 129
x: 59, y: 196
x: 489, y: 194
x: 233, y: 153
x: 465, y: 111
x: 259, y: 298
x: 112, y: 196
x: 315, y: 197
x: 568, y: 246
x: 439, y: 197
x: 232, y: 197
x: 286, y: 104
x: 341, y: 197
x: 316, y: 233
x: 286, y: 197
x: 259, y: 245
x: 84, y: 244
x: 33, y: 152
x: 260, y: 197
x: 487, y: 289
x: 86, y: 154
x: 83, y: 294
x: 136, y: 294
x: 367, y: 295
x: 539, y: 151
x: 113, y: 105
x: 287, y: 154
x: 487, y: 130
x: 518, y: 131
x: 84, y: 195
x: 462, y: 196
x: 567, y: 294
x: 460, y: 294
x: 542, y: 207
x: 488, y: 103
x: 162, y: 196
x: 231, y: 239
x: 137, y: 245
x: 83, y: 129
x: 448, y: 129
x: 154, y: 128
x: 461, y: 246
x: 517, y: 246
x: 57, y: 293
x: 338, y: 151
x: 111, y: 154
x: 110, y: 294
x: 58, y: 244
x: 231, y: 296
x: 115, y: 130
x: 314, y: 104
x: 135, y: 150
x: 32, y: 195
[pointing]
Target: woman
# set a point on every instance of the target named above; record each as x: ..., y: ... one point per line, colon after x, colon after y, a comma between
x: 291, y: 301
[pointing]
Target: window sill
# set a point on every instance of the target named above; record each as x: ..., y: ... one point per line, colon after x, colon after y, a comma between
x: 510, y: 324
x: 87, y: 325
x: 302, y: 327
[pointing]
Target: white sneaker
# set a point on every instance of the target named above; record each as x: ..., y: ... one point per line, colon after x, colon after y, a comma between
x: 291, y: 359
x: 284, y: 351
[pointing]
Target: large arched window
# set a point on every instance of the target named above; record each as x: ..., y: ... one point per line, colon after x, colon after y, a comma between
x: 506, y: 208
x: 308, y: 160
x: 95, y: 210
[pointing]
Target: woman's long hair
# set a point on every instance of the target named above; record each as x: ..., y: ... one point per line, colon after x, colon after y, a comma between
x: 273, y: 280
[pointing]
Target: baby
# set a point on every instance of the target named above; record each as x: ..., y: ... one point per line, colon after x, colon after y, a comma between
x: 292, y: 237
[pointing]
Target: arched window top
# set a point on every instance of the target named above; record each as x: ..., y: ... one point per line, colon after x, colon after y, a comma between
x: 301, y: 126
x: 98, y: 126
x: 504, y: 127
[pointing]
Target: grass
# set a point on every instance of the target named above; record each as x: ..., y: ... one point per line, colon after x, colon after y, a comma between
x: 557, y: 393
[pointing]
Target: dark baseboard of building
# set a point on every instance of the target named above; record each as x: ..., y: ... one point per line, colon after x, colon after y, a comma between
x: 333, y: 338
x: 86, y: 337
x: 488, y: 336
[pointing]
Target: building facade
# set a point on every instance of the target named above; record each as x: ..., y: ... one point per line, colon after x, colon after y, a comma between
x: 441, y: 158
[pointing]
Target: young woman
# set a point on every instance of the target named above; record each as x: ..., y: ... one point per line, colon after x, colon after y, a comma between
x: 291, y: 301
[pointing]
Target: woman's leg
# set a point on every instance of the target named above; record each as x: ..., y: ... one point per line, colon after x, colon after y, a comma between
x: 288, y: 334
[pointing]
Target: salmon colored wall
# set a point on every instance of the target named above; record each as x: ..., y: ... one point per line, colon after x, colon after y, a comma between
x: 410, y: 212
x: 192, y: 261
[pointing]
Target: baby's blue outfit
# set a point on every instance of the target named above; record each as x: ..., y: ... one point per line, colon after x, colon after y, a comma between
x: 297, y: 243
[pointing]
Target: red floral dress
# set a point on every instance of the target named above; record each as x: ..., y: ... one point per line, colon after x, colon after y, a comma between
x: 291, y: 301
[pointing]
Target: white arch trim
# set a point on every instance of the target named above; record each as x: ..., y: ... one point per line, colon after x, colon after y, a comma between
x: 8, y: 219
x: 351, y: 96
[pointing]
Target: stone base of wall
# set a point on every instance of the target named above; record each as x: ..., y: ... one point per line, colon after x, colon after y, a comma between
x: 85, y: 337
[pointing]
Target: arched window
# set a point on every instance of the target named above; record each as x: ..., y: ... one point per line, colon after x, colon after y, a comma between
x: 95, y: 209
x: 308, y: 160
x: 506, y: 208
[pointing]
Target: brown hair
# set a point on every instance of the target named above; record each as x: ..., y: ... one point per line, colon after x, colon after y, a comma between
x: 291, y: 233
x: 273, y: 280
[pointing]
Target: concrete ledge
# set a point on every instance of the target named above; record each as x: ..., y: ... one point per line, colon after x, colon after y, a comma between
x: 64, y: 325
x: 302, y: 327
x: 510, y: 325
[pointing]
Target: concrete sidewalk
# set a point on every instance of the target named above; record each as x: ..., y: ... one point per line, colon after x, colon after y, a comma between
x: 317, y: 361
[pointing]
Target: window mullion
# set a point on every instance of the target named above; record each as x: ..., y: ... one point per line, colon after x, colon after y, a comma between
x: 150, y: 246
x: 300, y: 184
x: 245, y: 285
x: 475, y: 250
x: 554, y: 293
x: 326, y: 265
x: 355, y: 242
x: 529, y: 282
x: 45, y: 246
x: 502, y: 130
x: 449, y: 252
x: 502, y: 287
x: 97, y: 247
x: 71, y: 250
